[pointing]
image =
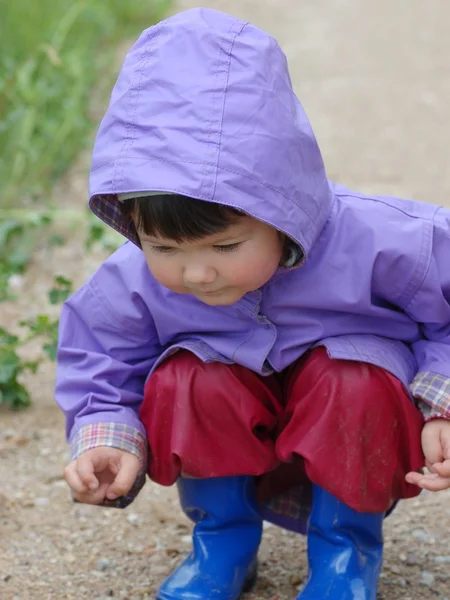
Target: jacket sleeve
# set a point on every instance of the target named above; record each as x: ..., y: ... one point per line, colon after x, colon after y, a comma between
x: 430, y: 307
x: 102, y: 363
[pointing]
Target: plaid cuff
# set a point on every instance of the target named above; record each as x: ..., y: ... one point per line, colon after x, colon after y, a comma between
x: 433, y: 390
x: 114, y: 435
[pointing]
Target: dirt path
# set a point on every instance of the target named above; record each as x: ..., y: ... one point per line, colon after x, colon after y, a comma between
x: 374, y: 80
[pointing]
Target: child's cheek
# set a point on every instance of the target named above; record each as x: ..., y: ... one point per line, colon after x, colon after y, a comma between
x: 161, y: 269
x: 255, y: 271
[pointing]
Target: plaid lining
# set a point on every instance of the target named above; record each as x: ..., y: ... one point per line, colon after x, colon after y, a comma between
x: 294, y: 503
x: 107, y: 208
x: 114, y: 435
x: 434, y: 392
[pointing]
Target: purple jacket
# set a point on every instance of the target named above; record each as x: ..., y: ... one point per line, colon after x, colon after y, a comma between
x: 204, y: 107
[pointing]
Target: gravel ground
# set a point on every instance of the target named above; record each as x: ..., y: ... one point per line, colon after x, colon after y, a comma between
x: 374, y: 80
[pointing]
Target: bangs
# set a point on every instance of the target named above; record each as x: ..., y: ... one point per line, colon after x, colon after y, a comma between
x: 179, y: 218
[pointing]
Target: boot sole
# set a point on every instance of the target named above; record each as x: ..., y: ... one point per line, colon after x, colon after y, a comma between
x: 249, y: 582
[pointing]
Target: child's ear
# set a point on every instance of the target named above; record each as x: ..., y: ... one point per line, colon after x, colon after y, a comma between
x: 292, y: 255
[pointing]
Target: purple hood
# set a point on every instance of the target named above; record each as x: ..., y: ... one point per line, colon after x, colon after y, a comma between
x: 204, y: 107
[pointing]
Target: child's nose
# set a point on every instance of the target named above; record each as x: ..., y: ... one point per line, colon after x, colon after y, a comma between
x: 199, y: 274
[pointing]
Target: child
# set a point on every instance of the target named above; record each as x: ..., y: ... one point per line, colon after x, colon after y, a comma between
x: 266, y: 334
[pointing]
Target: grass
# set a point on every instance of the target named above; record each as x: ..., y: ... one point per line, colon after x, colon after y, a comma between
x: 51, y: 54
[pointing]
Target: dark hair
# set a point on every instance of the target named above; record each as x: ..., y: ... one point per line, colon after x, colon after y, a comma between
x: 180, y: 218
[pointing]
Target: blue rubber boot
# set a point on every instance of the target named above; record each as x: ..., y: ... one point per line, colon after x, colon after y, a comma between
x: 226, y: 538
x: 345, y: 551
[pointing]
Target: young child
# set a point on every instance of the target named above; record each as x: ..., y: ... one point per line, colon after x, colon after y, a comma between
x: 265, y: 336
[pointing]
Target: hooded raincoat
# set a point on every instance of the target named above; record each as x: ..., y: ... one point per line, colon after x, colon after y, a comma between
x: 204, y: 107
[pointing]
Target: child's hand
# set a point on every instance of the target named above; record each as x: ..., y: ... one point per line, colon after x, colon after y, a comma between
x: 101, y: 473
x: 436, y: 447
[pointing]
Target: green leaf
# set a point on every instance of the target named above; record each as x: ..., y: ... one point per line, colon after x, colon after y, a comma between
x: 57, y: 296
x: 56, y: 240
x: 6, y: 339
x: 15, y: 395
x: 51, y: 350
x: 61, y: 291
x: 61, y: 280
x: 40, y: 325
x: 9, y: 366
x: 8, y: 228
x: 30, y: 366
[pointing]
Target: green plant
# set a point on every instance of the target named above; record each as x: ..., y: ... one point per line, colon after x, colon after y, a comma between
x: 13, y: 393
x: 17, y: 244
x: 51, y: 55
x: 45, y: 327
x: 12, y: 366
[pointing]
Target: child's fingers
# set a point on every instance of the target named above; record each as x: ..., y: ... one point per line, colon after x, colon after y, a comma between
x: 431, y: 443
x: 73, y: 479
x: 446, y: 443
x: 126, y: 476
x: 436, y: 485
x: 94, y: 498
x: 85, y: 470
x: 431, y: 481
x: 413, y: 477
x: 442, y: 468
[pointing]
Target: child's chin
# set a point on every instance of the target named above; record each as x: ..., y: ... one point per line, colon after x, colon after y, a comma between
x: 220, y: 299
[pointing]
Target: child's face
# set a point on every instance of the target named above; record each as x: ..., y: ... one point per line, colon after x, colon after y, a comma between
x: 218, y: 269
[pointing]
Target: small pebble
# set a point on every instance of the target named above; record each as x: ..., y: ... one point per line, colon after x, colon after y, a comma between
x: 70, y: 558
x: 41, y: 501
x: 104, y: 564
x: 132, y: 518
x: 427, y: 578
x: 419, y: 534
x: 413, y: 559
x: 9, y: 433
x: 144, y: 591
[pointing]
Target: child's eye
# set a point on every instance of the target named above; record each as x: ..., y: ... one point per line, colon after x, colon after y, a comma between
x: 162, y: 249
x: 227, y: 247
